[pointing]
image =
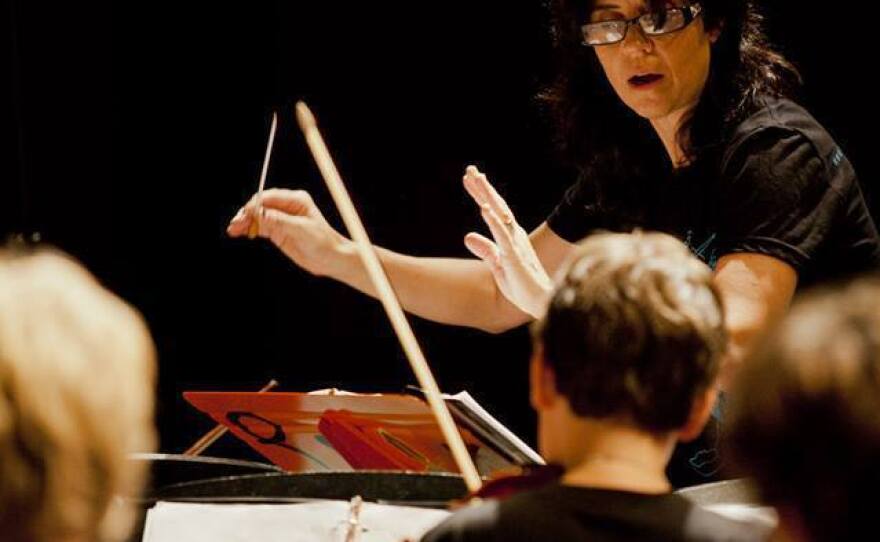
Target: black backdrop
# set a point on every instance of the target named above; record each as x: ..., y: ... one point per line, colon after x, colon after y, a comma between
x: 135, y: 130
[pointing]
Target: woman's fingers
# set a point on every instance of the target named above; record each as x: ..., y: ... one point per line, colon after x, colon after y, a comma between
x: 479, y: 187
x: 483, y: 248
x: 294, y: 202
x: 495, y: 200
x: 493, y: 209
x: 501, y: 232
x: 278, y: 226
x: 239, y: 224
x: 487, y: 251
x: 471, y: 188
x: 289, y: 202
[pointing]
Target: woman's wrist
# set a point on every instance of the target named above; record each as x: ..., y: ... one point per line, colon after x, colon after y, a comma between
x: 541, y: 297
x: 345, y: 263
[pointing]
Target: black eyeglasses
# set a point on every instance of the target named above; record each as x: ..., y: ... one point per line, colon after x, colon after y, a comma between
x: 656, y: 23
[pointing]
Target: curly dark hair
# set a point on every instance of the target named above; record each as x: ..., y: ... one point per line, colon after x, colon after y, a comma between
x: 605, y: 140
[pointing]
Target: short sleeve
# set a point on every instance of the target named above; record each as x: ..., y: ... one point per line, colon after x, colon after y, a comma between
x: 775, y: 197
x: 577, y: 214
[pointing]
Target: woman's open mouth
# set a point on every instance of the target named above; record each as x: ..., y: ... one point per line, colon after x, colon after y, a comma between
x: 645, y: 80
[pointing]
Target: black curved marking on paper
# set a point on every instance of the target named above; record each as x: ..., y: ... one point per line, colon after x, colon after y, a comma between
x: 278, y: 437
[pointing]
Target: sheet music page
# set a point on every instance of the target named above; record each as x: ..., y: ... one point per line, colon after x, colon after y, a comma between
x: 320, y: 521
x: 756, y: 514
x: 466, y: 399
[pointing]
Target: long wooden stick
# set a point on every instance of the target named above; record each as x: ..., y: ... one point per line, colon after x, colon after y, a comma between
x: 211, y: 436
x: 387, y: 296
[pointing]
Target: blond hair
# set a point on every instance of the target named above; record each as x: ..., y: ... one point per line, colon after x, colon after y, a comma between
x: 77, y: 374
x: 635, y: 329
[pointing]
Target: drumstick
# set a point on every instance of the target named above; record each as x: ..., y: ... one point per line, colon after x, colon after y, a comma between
x: 211, y: 436
x: 386, y: 296
x: 254, y: 228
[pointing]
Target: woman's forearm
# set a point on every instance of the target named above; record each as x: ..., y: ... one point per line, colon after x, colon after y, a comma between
x: 453, y: 291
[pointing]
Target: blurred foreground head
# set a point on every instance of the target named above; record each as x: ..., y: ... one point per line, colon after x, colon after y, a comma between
x: 77, y: 375
x: 806, y: 415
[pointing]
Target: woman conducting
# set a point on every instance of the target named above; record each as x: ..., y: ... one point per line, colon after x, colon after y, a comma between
x: 680, y: 119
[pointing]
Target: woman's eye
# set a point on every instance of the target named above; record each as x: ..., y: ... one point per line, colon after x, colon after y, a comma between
x: 605, y: 17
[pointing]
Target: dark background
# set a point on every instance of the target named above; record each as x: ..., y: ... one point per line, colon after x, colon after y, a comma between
x: 136, y: 129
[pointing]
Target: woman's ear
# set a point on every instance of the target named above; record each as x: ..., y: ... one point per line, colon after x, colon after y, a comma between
x: 715, y: 33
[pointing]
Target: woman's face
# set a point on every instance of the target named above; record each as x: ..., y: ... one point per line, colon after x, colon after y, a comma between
x: 659, y: 75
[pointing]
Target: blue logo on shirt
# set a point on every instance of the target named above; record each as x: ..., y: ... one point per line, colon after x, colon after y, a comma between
x: 706, y: 250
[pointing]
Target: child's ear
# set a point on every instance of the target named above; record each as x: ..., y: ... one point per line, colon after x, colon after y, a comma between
x: 542, y: 381
x: 701, y: 410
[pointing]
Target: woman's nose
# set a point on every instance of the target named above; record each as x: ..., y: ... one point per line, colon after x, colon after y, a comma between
x: 636, y: 40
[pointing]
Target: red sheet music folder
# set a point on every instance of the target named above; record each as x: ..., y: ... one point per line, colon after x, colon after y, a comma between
x: 340, y: 431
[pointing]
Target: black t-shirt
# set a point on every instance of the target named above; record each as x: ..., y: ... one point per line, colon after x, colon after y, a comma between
x: 779, y: 186
x: 567, y: 513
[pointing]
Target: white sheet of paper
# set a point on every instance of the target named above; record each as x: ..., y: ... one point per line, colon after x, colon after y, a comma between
x: 763, y: 515
x: 320, y: 521
x: 466, y: 398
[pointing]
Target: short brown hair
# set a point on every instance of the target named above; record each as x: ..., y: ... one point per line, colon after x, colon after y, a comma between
x: 76, y: 385
x: 804, y: 416
x: 635, y: 329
